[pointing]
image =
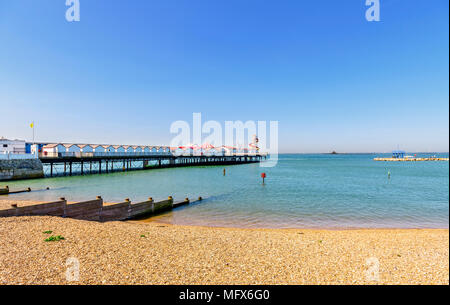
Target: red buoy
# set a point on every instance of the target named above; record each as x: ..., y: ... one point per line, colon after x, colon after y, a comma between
x: 263, y: 175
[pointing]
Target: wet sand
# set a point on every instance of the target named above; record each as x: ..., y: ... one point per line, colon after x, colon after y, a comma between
x: 155, y: 253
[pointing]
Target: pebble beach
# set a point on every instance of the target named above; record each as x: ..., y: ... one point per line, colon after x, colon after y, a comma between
x: 154, y: 253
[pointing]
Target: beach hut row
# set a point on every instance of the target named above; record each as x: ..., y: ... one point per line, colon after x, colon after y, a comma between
x: 210, y: 150
x: 98, y: 149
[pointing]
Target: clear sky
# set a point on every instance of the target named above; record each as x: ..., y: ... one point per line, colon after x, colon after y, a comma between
x: 128, y: 69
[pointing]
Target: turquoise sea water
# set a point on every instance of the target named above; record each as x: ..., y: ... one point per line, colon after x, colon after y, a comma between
x: 302, y: 191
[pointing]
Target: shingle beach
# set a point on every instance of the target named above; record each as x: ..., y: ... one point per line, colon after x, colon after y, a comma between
x: 156, y: 253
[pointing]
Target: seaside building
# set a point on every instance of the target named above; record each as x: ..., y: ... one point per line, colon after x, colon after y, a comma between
x: 211, y: 152
x: 109, y: 149
x: 398, y: 154
x: 86, y: 148
x: 52, y: 149
x: 120, y: 149
x: 12, y: 146
x: 73, y: 148
x: 38, y: 146
x: 129, y: 149
x: 99, y: 149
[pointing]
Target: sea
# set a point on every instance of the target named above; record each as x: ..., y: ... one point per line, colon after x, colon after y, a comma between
x: 339, y: 191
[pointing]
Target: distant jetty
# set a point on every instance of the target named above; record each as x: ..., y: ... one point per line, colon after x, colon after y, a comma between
x: 411, y: 159
x: 400, y: 155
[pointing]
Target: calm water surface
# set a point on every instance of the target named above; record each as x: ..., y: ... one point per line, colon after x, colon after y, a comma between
x: 302, y: 191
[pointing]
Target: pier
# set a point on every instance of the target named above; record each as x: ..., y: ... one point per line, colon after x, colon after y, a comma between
x: 68, y: 164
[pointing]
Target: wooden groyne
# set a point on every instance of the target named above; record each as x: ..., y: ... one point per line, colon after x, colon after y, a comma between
x: 96, y: 210
x: 7, y: 191
x: 411, y: 159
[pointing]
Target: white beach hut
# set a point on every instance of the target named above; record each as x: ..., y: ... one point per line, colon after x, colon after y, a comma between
x: 53, y: 149
x: 178, y: 151
x: 211, y: 152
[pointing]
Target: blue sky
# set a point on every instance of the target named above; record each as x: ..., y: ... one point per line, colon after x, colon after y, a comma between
x: 128, y: 69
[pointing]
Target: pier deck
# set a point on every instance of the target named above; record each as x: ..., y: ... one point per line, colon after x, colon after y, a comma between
x: 81, y: 164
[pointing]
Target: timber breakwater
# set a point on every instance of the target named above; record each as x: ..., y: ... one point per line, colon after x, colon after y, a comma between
x: 96, y: 210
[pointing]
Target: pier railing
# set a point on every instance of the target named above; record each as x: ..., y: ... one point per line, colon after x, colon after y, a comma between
x: 17, y: 156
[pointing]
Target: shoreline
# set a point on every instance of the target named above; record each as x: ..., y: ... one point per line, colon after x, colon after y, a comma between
x: 149, y: 220
x: 6, y: 204
x: 134, y: 252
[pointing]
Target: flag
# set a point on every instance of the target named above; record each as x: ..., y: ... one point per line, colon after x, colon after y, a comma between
x: 32, y: 125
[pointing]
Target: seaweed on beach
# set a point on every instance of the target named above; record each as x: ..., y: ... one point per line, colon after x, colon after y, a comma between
x: 54, y: 238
